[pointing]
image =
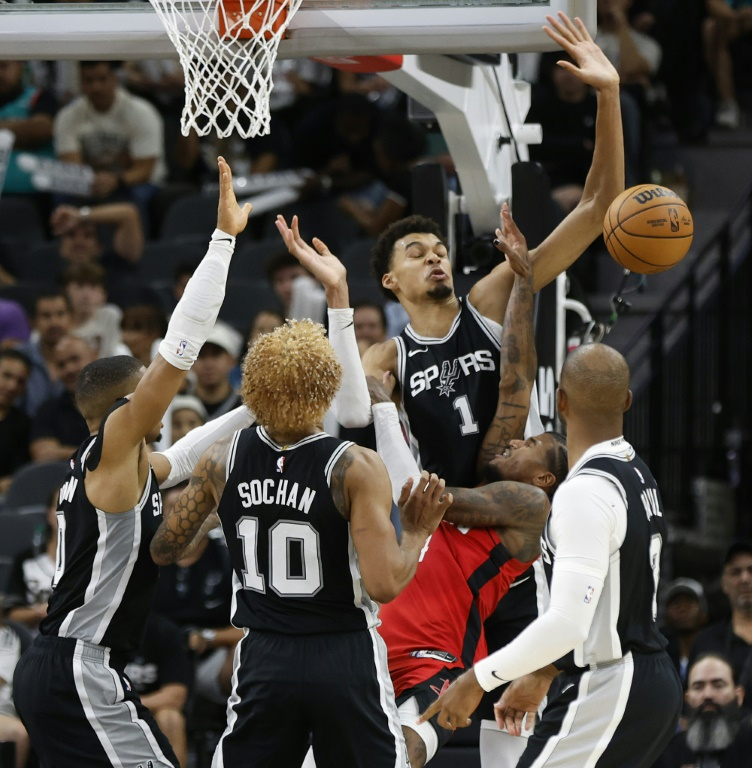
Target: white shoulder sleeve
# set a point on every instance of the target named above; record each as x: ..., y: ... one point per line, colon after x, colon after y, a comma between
x: 352, y: 403
x: 392, y: 447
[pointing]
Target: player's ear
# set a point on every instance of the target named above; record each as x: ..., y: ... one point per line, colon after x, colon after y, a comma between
x: 628, y: 402
x: 544, y: 479
x: 388, y: 281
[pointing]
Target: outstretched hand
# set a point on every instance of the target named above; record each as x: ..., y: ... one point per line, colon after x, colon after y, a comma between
x: 422, y: 507
x: 592, y: 66
x: 457, y: 703
x: 231, y: 218
x: 521, y: 700
x: 511, y: 242
x: 318, y: 260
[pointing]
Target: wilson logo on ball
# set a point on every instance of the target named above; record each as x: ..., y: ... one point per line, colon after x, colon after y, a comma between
x: 648, y: 229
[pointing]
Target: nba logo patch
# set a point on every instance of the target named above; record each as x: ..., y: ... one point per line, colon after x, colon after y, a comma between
x: 589, y: 594
x: 181, y: 347
x: 281, y: 464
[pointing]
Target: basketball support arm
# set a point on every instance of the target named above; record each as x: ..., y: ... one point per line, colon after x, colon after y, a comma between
x: 481, y: 111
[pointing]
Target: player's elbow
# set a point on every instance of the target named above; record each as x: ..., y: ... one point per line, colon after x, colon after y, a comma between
x: 162, y: 556
x: 355, y: 418
x: 383, y: 590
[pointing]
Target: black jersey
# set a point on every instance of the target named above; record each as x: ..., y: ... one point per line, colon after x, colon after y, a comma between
x: 625, y: 618
x: 450, y: 387
x: 295, y: 569
x: 104, y: 574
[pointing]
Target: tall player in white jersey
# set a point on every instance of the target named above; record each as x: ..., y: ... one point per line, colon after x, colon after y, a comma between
x: 618, y: 697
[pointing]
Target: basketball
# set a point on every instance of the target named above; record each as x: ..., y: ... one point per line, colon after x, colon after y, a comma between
x: 648, y: 229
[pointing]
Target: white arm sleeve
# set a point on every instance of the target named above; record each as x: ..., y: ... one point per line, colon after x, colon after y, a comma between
x: 580, y: 569
x: 352, y: 403
x: 184, y: 455
x: 308, y: 299
x: 393, y: 449
x: 197, y: 311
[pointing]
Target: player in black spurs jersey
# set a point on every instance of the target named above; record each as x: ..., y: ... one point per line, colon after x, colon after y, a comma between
x: 306, y: 518
x: 618, y: 697
x: 71, y: 692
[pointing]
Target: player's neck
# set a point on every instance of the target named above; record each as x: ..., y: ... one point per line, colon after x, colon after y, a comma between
x: 431, y: 318
x: 290, y: 438
x: 582, y: 436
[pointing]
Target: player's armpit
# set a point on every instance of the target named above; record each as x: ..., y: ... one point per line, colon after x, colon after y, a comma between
x: 191, y: 518
x: 380, y: 358
x: 518, y: 510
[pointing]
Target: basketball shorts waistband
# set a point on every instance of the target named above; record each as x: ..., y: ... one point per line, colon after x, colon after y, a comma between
x: 71, y: 647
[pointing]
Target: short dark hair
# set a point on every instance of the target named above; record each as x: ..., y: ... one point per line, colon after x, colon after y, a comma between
x: 558, y: 460
x: 278, y: 261
x: 102, y: 382
x: 84, y: 274
x: 381, y: 254
x: 91, y: 63
x: 14, y: 354
x: 144, y: 317
x: 718, y: 656
x: 185, y: 268
x: 46, y: 294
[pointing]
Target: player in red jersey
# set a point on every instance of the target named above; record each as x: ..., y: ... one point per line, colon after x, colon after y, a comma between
x: 489, y: 536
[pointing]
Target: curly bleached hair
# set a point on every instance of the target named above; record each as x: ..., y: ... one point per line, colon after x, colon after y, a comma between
x: 290, y: 377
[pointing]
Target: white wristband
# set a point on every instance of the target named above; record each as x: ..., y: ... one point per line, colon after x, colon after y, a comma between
x: 352, y: 403
x: 393, y: 449
x: 197, y: 311
x: 184, y: 455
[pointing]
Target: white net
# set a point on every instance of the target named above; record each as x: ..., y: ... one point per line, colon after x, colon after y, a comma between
x: 227, y: 49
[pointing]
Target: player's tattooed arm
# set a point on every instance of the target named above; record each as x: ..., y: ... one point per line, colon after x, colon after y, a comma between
x: 517, y: 510
x: 337, y: 484
x: 519, y: 359
x: 193, y: 514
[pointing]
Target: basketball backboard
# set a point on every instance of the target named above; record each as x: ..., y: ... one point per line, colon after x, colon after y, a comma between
x: 320, y: 28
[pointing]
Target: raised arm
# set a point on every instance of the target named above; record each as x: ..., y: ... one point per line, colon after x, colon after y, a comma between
x: 191, y: 517
x: 519, y: 360
x: 604, y: 182
x: 361, y: 491
x: 351, y: 406
x: 190, y: 324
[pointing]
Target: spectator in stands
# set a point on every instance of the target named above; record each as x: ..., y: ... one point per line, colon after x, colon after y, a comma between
x: 119, y: 135
x: 14, y: 325
x: 685, y: 614
x: 14, y: 423
x: 732, y: 637
x: 28, y: 113
x: 717, y: 734
x: 30, y: 581
x: 186, y: 412
x: 94, y: 319
x: 11, y: 727
x: 143, y: 327
x: 369, y: 320
x: 281, y: 270
x: 81, y: 241
x: 58, y: 428
x: 196, y: 593
x: 161, y: 671
x: 212, y: 369
x: 264, y: 321
x: 52, y: 320
x: 398, y: 145
x: 728, y: 21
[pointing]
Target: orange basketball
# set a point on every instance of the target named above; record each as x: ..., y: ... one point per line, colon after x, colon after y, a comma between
x: 648, y: 229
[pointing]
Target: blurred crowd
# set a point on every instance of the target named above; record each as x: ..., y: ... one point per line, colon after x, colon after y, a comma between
x: 94, y: 254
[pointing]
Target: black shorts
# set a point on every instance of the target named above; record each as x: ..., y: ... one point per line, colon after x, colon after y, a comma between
x: 329, y: 690
x: 80, y: 710
x: 617, y: 715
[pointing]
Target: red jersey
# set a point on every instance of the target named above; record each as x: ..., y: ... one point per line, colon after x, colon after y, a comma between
x: 436, y: 622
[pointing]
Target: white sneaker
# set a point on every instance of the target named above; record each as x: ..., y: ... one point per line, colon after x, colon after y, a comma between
x: 728, y: 115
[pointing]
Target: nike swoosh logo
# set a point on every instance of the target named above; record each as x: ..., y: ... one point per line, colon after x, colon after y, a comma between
x: 566, y: 687
x: 352, y: 322
x: 223, y: 240
x: 500, y: 679
x: 517, y: 583
x: 416, y: 351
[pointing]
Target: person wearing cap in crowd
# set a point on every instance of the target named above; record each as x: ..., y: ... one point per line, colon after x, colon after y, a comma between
x: 717, y: 733
x: 186, y: 413
x: 685, y: 614
x: 212, y: 369
x: 733, y: 636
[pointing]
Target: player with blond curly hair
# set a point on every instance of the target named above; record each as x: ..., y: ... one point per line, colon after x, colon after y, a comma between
x: 306, y: 518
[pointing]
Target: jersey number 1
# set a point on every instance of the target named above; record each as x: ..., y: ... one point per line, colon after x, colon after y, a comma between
x: 281, y: 536
x: 468, y: 425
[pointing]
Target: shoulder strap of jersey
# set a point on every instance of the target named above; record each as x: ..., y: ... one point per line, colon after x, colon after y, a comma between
x: 604, y: 466
x: 95, y: 454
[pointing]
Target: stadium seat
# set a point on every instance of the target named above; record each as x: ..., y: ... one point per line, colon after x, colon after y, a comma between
x: 243, y: 299
x: 365, y: 289
x: 18, y: 526
x: 42, y: 263
x: 249, y: 261
x: 193, y: 214
x: 33, y: 484
x: 24, y: 293
x: 19, y: 218
x: 357, y: 258
x: 160, y: 259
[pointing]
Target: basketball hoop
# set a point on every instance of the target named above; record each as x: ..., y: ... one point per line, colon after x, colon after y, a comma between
x: 227, y: 49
